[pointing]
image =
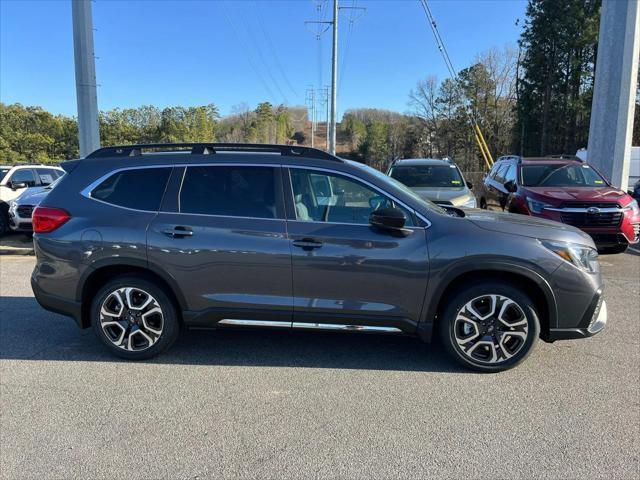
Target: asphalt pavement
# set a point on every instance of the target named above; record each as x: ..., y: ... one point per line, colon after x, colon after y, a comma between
x: 263, y: 404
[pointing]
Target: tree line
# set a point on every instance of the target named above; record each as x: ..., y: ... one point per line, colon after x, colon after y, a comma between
x: 529, y: 99
x: 31, y: 134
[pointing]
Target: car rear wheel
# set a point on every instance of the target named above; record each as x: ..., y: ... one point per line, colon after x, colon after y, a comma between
x: 134, y: 318
x: 4, y: 224
x: 489, y: 327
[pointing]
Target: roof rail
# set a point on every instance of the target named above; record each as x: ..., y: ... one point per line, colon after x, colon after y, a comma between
x: 509, y: 157
x: 564, y: 156
x: 211, y: 148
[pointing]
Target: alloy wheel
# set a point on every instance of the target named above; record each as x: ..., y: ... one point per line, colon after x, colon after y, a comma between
x: 491, y: 329
x: 131, y: 319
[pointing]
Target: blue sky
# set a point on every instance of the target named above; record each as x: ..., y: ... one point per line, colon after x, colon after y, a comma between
x: 227, y: 52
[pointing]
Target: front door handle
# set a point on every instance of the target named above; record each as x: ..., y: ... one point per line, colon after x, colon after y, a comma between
x: 307, y: 244
x: 178, y: 232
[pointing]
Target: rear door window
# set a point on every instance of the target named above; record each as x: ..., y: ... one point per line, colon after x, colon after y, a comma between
x: 47, y: 175
x: 232, y: 191
x: 139, y: 189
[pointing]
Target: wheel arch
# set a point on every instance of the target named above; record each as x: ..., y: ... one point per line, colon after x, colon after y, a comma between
x: 96, y: 276
x: 529, y: 281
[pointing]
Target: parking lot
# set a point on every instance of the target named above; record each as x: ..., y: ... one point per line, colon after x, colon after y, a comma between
x: 286, y: 405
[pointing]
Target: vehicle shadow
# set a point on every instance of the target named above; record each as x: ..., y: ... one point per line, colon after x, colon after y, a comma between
x: 27, y: 332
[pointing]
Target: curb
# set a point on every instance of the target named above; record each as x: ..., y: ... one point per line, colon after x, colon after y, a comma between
x: 16, y: 251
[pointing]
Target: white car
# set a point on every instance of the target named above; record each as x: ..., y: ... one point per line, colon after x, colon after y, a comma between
x: 15, y: 179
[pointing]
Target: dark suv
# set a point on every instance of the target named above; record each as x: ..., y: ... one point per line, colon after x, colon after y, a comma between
x: 566, y: 190
x: 139, y: 241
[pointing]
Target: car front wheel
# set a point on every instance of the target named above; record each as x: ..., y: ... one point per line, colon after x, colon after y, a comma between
x: 134, y: 318
x: 489, y: 327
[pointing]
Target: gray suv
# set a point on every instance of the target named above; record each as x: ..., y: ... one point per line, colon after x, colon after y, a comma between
x: 439, y: 181
x: 141, y: 241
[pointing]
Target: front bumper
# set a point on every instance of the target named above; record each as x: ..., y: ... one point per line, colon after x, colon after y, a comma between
x: 627, y: 231
x: 19, y: 223
x: 596, y: 324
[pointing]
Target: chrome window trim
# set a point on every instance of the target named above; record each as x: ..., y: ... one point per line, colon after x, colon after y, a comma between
x: 86, y: 192
x: 354, y: 177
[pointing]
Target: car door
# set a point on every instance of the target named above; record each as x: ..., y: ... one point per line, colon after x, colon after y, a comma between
x: 345, y: 273
x: 221, y: 236
x: 495, y: 179
x: 22, y: 176
x: 505, y: 195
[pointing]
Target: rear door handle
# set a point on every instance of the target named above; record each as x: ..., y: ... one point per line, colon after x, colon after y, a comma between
x: 178, y: 232
x: 307, y: 244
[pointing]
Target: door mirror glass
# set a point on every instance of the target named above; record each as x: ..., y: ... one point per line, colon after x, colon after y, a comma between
x: 17, y: 185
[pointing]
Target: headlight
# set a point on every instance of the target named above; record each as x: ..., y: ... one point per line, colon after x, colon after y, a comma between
x: 535, y: 206
x: 633, y: 206
x: 12, y: 205
x: 470, y: 203
x: 581, y: 256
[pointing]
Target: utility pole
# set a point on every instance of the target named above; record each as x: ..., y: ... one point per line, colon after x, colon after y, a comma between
x: 331, y: 134
x: 311, y: 101
x: 611, y: 126
x: 334, y: 81
x: 87, y: 98
x: 326, y: 100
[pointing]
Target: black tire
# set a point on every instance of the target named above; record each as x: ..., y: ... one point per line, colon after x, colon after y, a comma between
x: 483, y: 204
x: 4, y: 224
x: 613, y: 250
x: 169, y: 325
x: 450, y: 325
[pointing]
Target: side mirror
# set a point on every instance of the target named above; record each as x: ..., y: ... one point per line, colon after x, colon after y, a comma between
x: 470, y: 185
x: 510, y: 186
x: 18, y: 185
x: 389, y: 219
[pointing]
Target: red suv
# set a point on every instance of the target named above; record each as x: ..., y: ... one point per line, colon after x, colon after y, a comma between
x: 566, y: 190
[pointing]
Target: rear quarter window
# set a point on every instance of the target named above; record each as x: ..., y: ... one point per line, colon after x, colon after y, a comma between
x: 139, y: 189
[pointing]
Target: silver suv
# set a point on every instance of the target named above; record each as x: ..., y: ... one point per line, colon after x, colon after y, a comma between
x: 16, y: 180
x: 140, y: 241
x: 439, y: 181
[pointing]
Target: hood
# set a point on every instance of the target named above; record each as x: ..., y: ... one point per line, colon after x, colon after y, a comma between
x: 527, y: 226
x: 579, y: 194
x: 32, y: 196
x: 443, y: 194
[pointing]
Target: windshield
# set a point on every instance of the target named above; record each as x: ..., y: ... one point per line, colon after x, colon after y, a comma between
x: 435, y: 176
x: 426, y: 203
x: 558, y: 175
x: 3, y: 172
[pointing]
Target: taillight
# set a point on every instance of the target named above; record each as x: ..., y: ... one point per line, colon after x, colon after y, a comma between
x: 45, y: 219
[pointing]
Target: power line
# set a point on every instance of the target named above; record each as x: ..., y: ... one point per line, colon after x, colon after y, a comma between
x: 273, y: 49
x: 262, y: 59
x: 334, y: 70
x: 246, y: 50
x: 348, y: 44
x: 482, y: 144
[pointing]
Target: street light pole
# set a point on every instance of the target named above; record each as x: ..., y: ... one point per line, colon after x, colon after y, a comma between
x: 88, y: 128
